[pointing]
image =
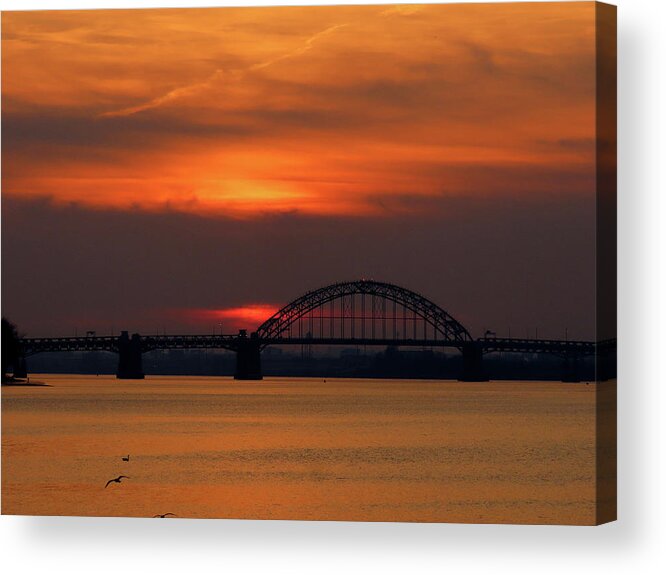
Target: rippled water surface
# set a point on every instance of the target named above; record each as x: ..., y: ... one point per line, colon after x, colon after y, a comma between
x: 283, y: 448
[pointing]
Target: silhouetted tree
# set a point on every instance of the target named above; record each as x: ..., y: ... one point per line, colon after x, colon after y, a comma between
x: 11, y: 346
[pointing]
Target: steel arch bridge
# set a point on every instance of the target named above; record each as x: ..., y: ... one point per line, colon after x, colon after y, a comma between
x: 355, y: 313
x: 367, y: 310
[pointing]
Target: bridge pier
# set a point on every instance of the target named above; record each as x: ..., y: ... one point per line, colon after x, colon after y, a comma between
x: 248, y: 358
x: 472, y: 360
x: 21, y: 368
x: 130, y: 363
x: 571, y: 371
x: 605, y: 362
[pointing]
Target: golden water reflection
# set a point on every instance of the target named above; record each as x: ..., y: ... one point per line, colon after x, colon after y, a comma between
x: 286, y: 448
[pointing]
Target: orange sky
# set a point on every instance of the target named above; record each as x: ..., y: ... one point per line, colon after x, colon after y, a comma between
x: 227, y: 319
x: 353, y: 111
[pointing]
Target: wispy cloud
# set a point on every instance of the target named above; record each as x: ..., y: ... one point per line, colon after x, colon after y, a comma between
x: 402, y: 10
x: 306, y: 47
x: 171, y: 96
x: 340, y: 112
x: 218, y: 74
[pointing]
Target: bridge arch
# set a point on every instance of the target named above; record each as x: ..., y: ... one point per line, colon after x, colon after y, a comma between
x: 443, y: 326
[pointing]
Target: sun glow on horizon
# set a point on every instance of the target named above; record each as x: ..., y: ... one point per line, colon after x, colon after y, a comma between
x: 249, y: 316
x: 326, y: 111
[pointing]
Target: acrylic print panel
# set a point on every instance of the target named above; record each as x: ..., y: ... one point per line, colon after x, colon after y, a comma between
x: 317, y: 263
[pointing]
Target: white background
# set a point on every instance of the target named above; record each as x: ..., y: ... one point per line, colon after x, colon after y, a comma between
x: 635, y: 543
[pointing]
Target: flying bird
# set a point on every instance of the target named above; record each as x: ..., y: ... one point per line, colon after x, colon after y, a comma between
x: 116, y: 480
x: 126, y: 458
x: 165, y: 514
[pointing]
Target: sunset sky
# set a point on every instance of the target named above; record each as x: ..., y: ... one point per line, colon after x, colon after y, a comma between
x: 171, y: 169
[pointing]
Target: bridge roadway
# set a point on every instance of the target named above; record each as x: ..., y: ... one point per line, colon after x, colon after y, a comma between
x: 248, y: 349
x: 232, y: 342
x: 112, y: 343
x: 366, y: 304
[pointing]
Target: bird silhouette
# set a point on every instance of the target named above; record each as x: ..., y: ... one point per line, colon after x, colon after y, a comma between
x: 116, y: 480
x: 126, y: 458
x: 164, y: 515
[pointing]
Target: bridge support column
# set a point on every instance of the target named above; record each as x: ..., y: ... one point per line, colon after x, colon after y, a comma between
x: 21, y: 368
x: 248, y: 359
x: 571, y: 370
x: 606, y: 366
x: 472, y: 360
x: 130, y: 364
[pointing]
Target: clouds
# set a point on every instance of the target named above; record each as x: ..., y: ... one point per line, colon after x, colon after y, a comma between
x: 172, y: 95
x: 218, y: 76
x: 328, y: 110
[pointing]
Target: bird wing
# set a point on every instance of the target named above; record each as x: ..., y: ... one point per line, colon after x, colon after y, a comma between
x: 169, y: 514
x: 107, y: 483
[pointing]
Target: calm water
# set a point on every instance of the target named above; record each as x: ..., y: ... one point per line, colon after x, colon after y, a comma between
x: 374, y: 450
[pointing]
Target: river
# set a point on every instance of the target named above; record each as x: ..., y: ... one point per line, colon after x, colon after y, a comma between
x: 291, y: 448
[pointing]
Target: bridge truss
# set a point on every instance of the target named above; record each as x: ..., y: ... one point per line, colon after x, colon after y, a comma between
x: 364, y: 310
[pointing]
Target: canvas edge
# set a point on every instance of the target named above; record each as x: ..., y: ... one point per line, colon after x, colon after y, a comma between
x: 606, y: 263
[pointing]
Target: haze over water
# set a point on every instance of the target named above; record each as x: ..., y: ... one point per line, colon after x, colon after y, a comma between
x: 285, y: 448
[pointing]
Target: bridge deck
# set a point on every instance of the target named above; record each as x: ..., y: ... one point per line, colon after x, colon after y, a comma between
x: 110, y: 343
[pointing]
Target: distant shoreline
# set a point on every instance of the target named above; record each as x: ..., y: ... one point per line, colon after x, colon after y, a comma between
x: 24, y: 383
